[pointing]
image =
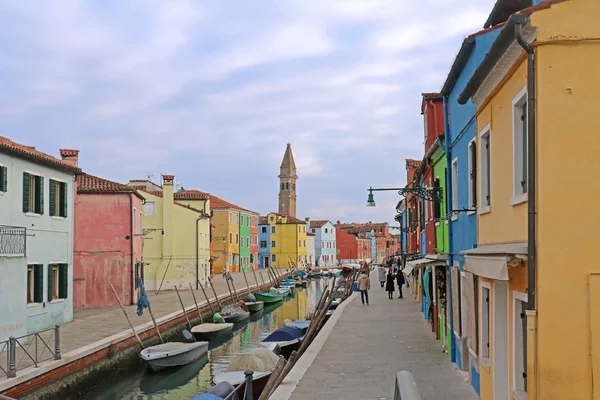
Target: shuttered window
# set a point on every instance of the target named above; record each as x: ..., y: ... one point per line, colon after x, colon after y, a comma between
x: 35, y: 283
x: 58, y: 281
x: 3, y: 179
x: 33, y: 193
x: 58, y: 198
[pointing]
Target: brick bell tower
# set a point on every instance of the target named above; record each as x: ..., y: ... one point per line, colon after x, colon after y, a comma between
x: 287, y: 183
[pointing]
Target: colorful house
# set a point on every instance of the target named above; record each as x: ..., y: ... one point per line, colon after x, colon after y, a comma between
x: 412, y: 209
x: 310, y: 249
x: 537, y: 279
x: 325, y: 242
x: 247, y: 218
x: 254, y: 260
x: 36, y: 238
x: 460, y: 133
x: 288, y: 241
x: 264, y: 240
x: 108, y: 242
x: 176, y: 235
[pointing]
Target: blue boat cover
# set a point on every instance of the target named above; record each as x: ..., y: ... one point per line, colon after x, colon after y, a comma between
x: 269, y: 294
x: 206, y: 396
x: 283, y: 335
x: 301, y: 325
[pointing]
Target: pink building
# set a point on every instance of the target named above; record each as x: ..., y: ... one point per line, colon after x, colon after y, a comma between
x: 108, y: 242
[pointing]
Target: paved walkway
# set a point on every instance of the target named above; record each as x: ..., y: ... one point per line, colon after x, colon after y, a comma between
x: 370, y: 344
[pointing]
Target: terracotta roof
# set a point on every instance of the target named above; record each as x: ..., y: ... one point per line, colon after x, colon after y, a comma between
x: 294, y: 220
x: 431, y: 96
x: 412, y: 163
x: 191, y: 195
x: 217, y: 202
x: 310, y: 234
x: 262, y: 221
x: 30, y: 152
x: 190, y: 208
x: 92, y: 184
x: 318, y: 223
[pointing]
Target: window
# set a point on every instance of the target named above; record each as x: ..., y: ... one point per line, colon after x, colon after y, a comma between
x: 519, y: 146
x: 520, y: 342
x: 303, y: 229
x: 273, y: 243
x: 314, y: 231
x: 230, y: 218
x: 293, y: 186
x: 271, y: 218
x: 263, y: 229
x: 58, y: 278
x: 326, y: 230
x: 299, y: 243
x: 455, y: 187
x: 272, y: 229
x: 472, y: 175
x: 230, y: 238
x: 33, y: 193
x: 247, y: 220
x: 237, y: 219
x: 3, y: 179
x: 58, y: 198
x: 273, y: 257
x: 282, y: 186
x: 230, y: 259
x: 287, y: 186
x: 485, y: 321
x: 263, y: 244
x: 237, y: 238
x: 251, y: 258
x: 150, y: 209
x: 437, y: 206
x: 35, y: 282
x: 486, y: 166
x: 425, y: 125
x: 304, y: 243
x: 248, y: 241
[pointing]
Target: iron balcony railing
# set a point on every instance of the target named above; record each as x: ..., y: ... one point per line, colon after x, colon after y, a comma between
x: 30, y: 350
x: 13, y: 240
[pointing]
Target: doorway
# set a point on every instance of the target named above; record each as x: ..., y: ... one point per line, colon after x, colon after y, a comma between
x: 266, y: 262
x: 500, y: 349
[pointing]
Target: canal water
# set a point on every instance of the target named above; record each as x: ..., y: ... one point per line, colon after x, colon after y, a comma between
x: 186, y: 382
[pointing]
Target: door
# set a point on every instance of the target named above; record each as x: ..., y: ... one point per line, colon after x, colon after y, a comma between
x: 266, y: 263
x: 500, y: 340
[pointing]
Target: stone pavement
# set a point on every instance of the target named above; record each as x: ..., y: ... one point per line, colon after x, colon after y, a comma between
x: 370, y: 344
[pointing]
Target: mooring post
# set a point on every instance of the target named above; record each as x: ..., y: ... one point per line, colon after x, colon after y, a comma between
x: 249, y: 395
x: 12, y: 357
x: 57, y: 342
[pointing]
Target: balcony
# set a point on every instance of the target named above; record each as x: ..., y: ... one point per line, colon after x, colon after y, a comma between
x: 13, y: 241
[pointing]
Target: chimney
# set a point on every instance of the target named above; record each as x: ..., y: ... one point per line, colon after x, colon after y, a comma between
x: 307, y: 219
x: 338, y: 222
x: 167, y: 214
x: 70, y: 156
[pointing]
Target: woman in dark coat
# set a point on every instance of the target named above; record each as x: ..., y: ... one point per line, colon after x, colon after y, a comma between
x: 399, y: 281
x: 389, y: 283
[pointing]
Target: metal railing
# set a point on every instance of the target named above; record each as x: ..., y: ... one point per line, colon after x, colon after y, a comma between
x: 13, y: 240
x: 30, y: 350
x: 406, y: 387
x: 248, y: 389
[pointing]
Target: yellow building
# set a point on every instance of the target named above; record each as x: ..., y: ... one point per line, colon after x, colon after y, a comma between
x: 538, y: 333
x: 176, y: 235
x: 225, y: 235
x: 288, y: 241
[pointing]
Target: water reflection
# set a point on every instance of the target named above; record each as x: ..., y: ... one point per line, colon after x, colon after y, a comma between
x: 184, y: 383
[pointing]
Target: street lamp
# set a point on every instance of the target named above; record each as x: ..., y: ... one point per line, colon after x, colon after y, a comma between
x: 371, y: 200
x: 432, y: 194
x: 149, y: 230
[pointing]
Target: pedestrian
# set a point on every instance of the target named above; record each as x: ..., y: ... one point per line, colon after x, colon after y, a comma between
x: 229, y: 277
x: 389, y: 285
x: 400, y: 281
x: 381, y: 271
x: 364, y: 285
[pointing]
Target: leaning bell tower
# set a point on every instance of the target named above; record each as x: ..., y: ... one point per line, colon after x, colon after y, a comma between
x: 287, y: 183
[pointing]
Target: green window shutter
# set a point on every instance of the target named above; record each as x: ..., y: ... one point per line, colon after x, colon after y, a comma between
x: 50, y: 281
x: 63, y: 280
x: 39, y: 198
x: 3, y: 179
x: 52, y: 196
x: 38, y: 284
x: 63, y: 199
x: 25, y: 192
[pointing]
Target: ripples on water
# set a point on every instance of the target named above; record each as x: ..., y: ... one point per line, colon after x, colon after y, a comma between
x: 186, y: 382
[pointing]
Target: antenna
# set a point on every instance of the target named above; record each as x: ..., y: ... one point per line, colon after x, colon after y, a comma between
x: 150, y: 175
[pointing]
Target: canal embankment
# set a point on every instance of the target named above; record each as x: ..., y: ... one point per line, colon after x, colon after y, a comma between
x: 99, y: 340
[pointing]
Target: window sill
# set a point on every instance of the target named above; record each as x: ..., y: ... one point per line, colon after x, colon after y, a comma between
x: 471, y: 212
x: 54, y: 301
x: 33, y: 305
x: 454, y: 217
x: 56, y: 217
x: 518, y: 394
x: 484, y: 210
x: 519, y: 199
x: 30, y: 214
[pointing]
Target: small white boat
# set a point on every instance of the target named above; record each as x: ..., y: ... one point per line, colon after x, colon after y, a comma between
x: 209, y: 331
x: 281, y: 291
x: 254, y: 306
x: 173, y: 354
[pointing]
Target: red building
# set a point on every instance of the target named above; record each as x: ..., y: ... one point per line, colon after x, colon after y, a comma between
x: 107, y: 242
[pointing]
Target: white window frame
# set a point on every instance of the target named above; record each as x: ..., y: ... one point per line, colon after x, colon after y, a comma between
x: 230, y: 218
x: 147, y: 212
x: 33, y: 213
x: 470, y: 167
x: 485, y: 359
x: 273, y: 258
x: 482, y: 175
x: 516, y: 335
x: 273, y: 229
x: 454, y: 172
x: 518, y: 102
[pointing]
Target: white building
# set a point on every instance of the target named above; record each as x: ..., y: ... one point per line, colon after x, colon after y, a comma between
x: 310, y: 249
x: 325, y: 242
x: 36, y: 238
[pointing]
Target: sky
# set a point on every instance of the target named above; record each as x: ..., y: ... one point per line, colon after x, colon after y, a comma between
x: 211, y: 91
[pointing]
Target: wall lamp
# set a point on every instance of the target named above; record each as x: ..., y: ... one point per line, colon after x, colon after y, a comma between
x: 432, y: 194
x: 150, y: 230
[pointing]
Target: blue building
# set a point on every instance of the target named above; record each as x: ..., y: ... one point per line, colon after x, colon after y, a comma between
x: 264, y: 243
x: 325, y: 242
x: 460, y: 124
x: 371, y: 235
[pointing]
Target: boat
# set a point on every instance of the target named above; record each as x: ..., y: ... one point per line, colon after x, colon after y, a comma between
x: 301, y: 283
x: 174, y: 354
x: 268, y: 297
x: 221, y: 391
x: 254, y: 306
x: 287, y: 338
x: 281, y: 291
x: 170, y: 378
x: 210, y: 331
x: 260, y: 360
x: 234, y: 314
x: 302, y: 326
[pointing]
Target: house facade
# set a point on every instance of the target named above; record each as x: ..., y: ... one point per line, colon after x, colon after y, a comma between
x: 264, y: 242
x: 248, y: 236
x: 36, y: 238
x: 325, y: 242
x: 108, y: 242
x: 310, y: 249
x: 288, y: 241
x: 254, y: 260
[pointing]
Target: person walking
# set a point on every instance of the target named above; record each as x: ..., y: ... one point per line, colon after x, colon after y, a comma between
x: 400, y: 281
x: 364, y: 285
x: 389, y: 284
x: 381, y: 272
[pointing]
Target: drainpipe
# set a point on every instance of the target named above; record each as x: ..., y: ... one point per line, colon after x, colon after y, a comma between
x: 531, y: 172
x: 131, y: 290
x: 197, y: 254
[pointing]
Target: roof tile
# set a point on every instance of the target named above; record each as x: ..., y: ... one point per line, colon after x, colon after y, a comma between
x: 191, y: 195
x: 31, y: 152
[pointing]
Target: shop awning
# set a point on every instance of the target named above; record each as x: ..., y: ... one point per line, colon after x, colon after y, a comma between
x: 430, y: 260
x: 492, y: 261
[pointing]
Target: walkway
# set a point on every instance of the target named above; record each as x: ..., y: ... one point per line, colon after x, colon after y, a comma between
x: 370, y: 344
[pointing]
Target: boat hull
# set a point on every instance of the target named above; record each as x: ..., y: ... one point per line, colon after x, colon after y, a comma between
x: 237, y: 317
x: 220, y: 331
x: 285, y: 348
x: 169, y: 355
x: 237, y: 379
x: 254, y: 306
x: 268, y: 299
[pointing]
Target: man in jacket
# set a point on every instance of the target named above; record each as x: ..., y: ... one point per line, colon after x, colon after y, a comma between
x: 364, y: 284
x: 381, y: 272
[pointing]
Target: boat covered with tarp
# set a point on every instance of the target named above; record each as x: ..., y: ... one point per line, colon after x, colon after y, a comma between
x: 287, y: 338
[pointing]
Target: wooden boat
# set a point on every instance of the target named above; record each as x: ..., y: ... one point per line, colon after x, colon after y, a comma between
x: 210, y: 331
x: 234, y: 314
x: 170, y: 378
x: 238, y: 379
x: 302, y: 326
x: 301, y: 283
x: 173, y: 354
x: 287, y: 338
x: 281, y: 291
x: 254, y: 306
x: 268, y: 297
